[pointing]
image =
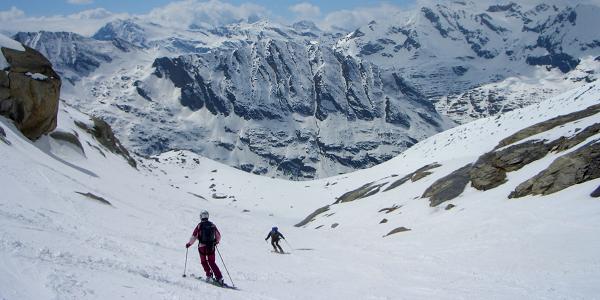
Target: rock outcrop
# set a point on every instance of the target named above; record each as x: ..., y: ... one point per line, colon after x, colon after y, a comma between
x: 448, y: 187
x: 490, y: 169
x: 576, y: 167
x: 549, y: 124
x: 364, y: 191
x: 29, y: 92
x: 105, y: 136
x: 414, y: 176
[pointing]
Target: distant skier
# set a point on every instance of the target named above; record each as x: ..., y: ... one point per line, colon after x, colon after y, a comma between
x: 275, y: 237
x: 208, y: 237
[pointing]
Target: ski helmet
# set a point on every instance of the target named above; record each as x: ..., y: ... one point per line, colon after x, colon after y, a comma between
x: 203, y: 215
x: 274, y: 228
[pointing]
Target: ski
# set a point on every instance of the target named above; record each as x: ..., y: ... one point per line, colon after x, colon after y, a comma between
x: 212, y: 282
x: 280, y: 252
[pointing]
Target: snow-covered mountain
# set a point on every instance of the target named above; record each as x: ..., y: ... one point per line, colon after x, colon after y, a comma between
x: 475, y: 60
x: 266, y: 98
x: 79, y: 221
x: 299, y: 102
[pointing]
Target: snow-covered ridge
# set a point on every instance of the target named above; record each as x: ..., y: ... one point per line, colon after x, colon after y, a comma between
x: 466, y: 56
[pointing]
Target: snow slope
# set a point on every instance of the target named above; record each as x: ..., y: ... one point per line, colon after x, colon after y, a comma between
x: 58, y: 244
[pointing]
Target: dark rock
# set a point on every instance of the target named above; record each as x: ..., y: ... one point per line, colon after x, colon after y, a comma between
x: 383, y: 221
x: 334, y: 225
x: 564, y: 62
x: 498, y: 8
x: 448, y: 187
x: 573, y: 168
x: 296, y: 168
x: 414, y: 176
x: 596, y: 192
x: 399, y: 182
x: 32, y: 104
x: 218, y: 196
x: 397, y: 230
x: 388, y: 210
x: 140, y: 89
x: 312, y: 216
x: 94, y: 197
x: 67, y: 137
x: 105, y: 136
x: 450, y: 206
x: 459, y: 70
x: 490, y: 169
x: 245, y: 210
x: 549, y: 124
x: 565, y: 143
x: 423, y: 172
x: 364, y: 191
x: 435, y: 20
x: 371, y: 48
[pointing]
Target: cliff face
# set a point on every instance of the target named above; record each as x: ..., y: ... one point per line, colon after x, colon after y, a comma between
x: 29, y: 91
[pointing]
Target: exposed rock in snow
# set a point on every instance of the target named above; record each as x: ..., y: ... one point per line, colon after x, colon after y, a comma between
x: 574, y: 168
x: 29, y: 91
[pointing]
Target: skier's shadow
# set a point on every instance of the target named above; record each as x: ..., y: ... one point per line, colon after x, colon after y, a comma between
x: 304, y: 249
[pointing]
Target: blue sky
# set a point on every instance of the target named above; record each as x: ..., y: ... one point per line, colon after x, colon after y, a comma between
x: 278, y: 7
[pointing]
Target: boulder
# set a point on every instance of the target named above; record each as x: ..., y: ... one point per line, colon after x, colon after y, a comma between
x: 448, y: 187
x: 576, y: 167
x: 29, y: 92
x: 489, y: 171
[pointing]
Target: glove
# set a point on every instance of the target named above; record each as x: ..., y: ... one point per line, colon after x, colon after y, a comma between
x: 188, y: 245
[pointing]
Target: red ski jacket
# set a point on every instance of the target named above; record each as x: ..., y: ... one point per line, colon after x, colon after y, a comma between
x: 197, y: 233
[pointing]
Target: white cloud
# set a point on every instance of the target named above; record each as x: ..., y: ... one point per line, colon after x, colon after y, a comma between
x: 207, y: 13
x: 11, y: 14
x: 86, y: 22
x: 306, y: 10
x: 95, y: 13
x: 80, y: 2
x: 352, y: 19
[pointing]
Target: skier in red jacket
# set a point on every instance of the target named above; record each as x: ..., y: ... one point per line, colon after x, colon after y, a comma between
x: 208, y: 237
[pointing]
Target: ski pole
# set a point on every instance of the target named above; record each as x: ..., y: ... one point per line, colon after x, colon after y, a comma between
x: 225, y: 266
x: 288, y: 243
x: 185, y: 266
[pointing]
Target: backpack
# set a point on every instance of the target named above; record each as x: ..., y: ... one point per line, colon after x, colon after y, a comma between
x: 207, y: 233
x: 275, y: 235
